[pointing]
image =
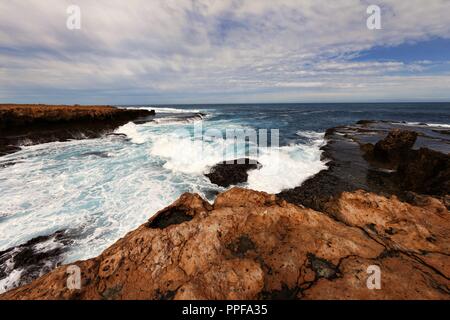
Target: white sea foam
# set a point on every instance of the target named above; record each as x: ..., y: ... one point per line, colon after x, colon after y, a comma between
x: 184, y: 154
x: 175, y: 110
x: 101, y: 198
x: 313, y: 135
x: 439, y: 125
x: 282, y: 168
x: 131, y: 131
x: 11, y: 280
x: 179, y: 120
x: 287, y: 167
x: 166, y: 110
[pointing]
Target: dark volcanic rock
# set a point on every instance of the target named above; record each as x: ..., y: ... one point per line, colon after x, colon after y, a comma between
x: 395, y: 146
x: 365, y: 122
x: 376, y: 157
x: 347, y: 171
x: 317, y: 191
x: 425, y: 171
x: 36, y: 124
x: 183, y: 210
x: 442, y: 131
x: 233, y: 172
x: 35, y: 257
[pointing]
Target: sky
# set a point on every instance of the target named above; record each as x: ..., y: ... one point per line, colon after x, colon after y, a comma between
x: 223, y: 51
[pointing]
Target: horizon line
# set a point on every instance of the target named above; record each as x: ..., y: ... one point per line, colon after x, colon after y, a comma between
x: 219, y: 103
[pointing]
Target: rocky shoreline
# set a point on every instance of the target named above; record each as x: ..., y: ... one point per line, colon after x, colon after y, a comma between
x: 33, y: 124
x: 383, y: 202
x: 418, y: 164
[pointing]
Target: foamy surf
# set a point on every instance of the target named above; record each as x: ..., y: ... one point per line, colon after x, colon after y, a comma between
x: 282, y: 167
x: 437, y: 125
x: 164, y: 109
x: 131, y: 131
x: 12, y: 280
x: 289, y: 166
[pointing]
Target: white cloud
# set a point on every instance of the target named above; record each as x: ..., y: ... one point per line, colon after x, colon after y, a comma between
x: 137, y: 49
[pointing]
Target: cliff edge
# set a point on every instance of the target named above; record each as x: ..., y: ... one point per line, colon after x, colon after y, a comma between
x: 33, y: 124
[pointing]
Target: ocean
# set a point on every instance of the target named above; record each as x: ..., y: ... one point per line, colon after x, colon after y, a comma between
x: 100, y: 189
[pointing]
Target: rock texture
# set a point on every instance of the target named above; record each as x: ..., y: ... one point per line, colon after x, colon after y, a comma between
x: 45, y: 123
x: 232, y: 172
x: 425, y: 171
x: 395, y: 146
x: 252, y: 245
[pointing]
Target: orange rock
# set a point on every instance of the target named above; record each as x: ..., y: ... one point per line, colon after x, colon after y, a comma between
x: 250, y: 245
x: 399, y: 225
x: 402, y: 277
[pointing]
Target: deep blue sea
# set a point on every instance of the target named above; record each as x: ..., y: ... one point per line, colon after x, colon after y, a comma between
x: 100, y: 189
x: 290, y: 118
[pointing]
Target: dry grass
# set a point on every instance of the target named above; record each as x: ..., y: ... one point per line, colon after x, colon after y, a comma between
x: 27, y: 112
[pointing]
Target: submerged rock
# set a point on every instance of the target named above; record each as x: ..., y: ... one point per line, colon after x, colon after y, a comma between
x: 252, y: 245
x: 233, y: 172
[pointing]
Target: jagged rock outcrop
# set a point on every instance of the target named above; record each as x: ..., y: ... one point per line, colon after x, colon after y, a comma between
x: 395, y: 146
x: 46, y: 123
x: 386, y: 165
x: 232, y: 172
x: 425, y: 171
x: 252, y: 245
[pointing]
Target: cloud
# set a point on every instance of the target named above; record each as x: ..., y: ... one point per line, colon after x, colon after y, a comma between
x: 140, y: 51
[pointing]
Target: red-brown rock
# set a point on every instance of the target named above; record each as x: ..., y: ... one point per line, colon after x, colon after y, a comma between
x: 251, y: 245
